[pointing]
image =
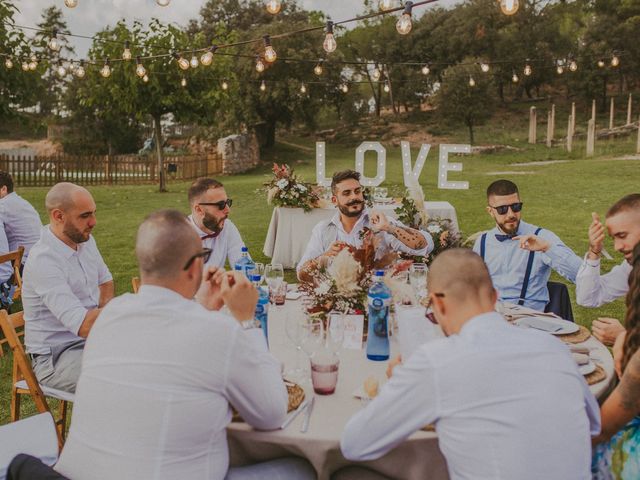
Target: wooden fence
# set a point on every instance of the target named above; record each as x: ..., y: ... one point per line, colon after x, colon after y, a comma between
x: 31, y: 171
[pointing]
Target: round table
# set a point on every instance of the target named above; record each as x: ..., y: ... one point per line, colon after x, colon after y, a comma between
x: 419, y: 456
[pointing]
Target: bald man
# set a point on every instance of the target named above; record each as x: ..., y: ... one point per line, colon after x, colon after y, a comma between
x: 160, y: 371
x: 65, y: 285
x: 506, y: 402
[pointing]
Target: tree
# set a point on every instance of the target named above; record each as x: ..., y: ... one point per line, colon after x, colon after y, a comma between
x: 458, y: 101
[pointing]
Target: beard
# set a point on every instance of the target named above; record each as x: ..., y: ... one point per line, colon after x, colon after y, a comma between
x: 512, y: 230
x: 347, y: 212
x: 212, y: 223
x: 76, y: 235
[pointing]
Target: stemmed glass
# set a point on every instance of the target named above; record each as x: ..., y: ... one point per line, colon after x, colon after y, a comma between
x: 418, y: 279
x: 273, y: 273
x: 298, y: 330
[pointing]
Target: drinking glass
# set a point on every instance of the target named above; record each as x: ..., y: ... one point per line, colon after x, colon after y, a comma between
x: 335, y: 330
x: 324, y: 371
x: 274, y: 273
x: 258, y: 269
x: 418, y: 278
x: 297, y: 328
x: 278, y: 292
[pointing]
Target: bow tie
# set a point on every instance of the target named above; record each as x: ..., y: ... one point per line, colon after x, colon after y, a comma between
x: 211, y: 235
x: 502, y: 238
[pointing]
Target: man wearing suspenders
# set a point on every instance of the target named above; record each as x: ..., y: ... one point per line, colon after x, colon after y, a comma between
x: 519, y: 255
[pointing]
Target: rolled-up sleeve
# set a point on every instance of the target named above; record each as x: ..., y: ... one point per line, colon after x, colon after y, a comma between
x: 594, y: 290
x: 314, y: 247
x: 560, y: 257
x: 104, y: 275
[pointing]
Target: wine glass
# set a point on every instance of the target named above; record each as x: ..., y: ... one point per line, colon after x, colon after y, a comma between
x: 418, y: 278
x: 297, y: 328
x: 274, y: 273
x: 335, y: 330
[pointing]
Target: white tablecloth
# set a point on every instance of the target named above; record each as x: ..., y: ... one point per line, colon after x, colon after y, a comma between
x: 290, y: 228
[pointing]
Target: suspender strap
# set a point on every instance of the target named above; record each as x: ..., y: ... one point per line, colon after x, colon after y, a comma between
x: 527, y: 274
x: 483, y: 245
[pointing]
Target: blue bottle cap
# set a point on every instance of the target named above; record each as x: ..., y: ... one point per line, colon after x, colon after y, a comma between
x: 238, y: 267
x: 379, y: 273
x: 255, y: 278
x: 245, y: 249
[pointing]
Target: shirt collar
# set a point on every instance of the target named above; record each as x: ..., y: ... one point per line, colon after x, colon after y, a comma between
x: 59, y: 245
x: 158, y: 292
x: 199, y: 231
x: 9, y: 196
x: 482, y: 322
x: 362, y: 219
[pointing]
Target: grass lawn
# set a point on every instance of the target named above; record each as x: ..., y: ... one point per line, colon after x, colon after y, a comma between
x: 557, y: 196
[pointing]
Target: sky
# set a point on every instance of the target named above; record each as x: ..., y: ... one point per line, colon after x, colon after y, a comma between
x: 90, y: 16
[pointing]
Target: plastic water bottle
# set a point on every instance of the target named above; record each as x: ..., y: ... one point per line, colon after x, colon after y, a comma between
x: 379, y: 300
x: 262, y: 307
x: 245, y: 263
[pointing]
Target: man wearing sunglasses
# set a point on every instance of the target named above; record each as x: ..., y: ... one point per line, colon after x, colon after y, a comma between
x: 210, y: 208
x: 519, y: 255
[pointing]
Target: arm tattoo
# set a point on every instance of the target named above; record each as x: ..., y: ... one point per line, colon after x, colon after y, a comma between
x: 410, y: 237
x: 629, y: 387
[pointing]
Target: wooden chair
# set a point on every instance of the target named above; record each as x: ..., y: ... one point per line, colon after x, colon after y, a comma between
x: 15, y: 258
x: 24, y: 381
x: 135, y: 283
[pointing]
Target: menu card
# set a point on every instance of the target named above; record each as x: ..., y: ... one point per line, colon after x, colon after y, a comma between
x: 414, y: 329
x: 353, y: 330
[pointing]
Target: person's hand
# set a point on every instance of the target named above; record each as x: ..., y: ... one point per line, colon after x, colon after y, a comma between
x: 239, y: 295
x: 596, y: 237
x: 334, y: 249
x: 618, y: 352
x: 209, y: 295
x: 533, y: 243
x: 379, y: 222
x: 393, y: 363
x: 606, y: 330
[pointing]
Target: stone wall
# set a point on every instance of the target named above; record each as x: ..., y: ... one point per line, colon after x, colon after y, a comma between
x: 239, y: 153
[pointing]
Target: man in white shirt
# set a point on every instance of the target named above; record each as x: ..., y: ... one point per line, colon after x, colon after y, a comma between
x: 506, y: 402
x: 22, y: 223
x: 210, y: 208
x: 161, y: 371
x: 66, y: 283
x: 345, y: 228
x: 592, y: 289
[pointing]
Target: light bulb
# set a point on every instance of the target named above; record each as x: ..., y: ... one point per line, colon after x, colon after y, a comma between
x: 71, y: 3
x: 80, y: 71
x: 345, y: 88
x: 8, y: 63
x: 126, y: 54
x: 72, y: 67
x: 61, y: 71
x: 387, y: 4
x: 509, y: 7
x: 386, y: 88
x: 263, y: 86
x: 514, y: 78
x: 426, y: 70
x: 404, y: 24
x: 183, y: 63
x: 207, y: 57
x: 33, y: 65
x: 225, y: 85
x: 105, y: 71
x: 375, y: 74
x: 527, y: 70
x: 194, y: 62
x: 329, y: 43
x: 560, y: 69
x: 269, y: 53
x: 472, y: 82
x: 54, y: 44
x: 145, y: 79
x: 615, y: 61
x: 484, y: 67
x: 183, y: 82
x: 303, y: 88
x: 573, y: 66
x: 25, y: 66
x: 601, y: 63
x: 259, y: 65
x: 140, y: 70
x: 163, y: 3
x: 273, y: 6
x: 318, y: 69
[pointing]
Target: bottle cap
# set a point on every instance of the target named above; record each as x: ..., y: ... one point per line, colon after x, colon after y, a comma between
x: 238, y: 267
x: 379, y: 273
x: 255, y: 278
x: 245, y: 249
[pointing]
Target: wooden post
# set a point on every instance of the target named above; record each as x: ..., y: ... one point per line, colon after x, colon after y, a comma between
x: 549, y: 127
x: 570, y: 134
x: 638, y: 143
x: 593, y: 111
x: 553, y: 120
x: 573, y: 118
x: 591, y: 137
x: 532, y: 125
x: 629, y: 110
x: 611, y: 110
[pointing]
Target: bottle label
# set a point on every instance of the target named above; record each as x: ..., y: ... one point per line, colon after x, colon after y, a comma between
x: 260, y: 309
x: 379, y: 303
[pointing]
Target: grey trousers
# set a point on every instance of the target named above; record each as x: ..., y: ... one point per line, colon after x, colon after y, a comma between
x: 61, y: 368
x: 288, y: 468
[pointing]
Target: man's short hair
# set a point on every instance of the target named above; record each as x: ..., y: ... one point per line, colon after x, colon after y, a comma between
x: 339, y: 177
x: 461, y: 274
x: 502, y: 188
x: 6, y: 181
x: 626, y: 203
x: 200, y: 186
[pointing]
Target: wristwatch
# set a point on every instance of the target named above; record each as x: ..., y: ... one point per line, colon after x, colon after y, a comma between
x: 249, y: 324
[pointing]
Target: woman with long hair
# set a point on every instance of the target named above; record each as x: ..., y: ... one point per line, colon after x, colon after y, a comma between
x: 616, y: 453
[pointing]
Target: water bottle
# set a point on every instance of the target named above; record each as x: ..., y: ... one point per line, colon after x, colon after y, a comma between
x: 262, y: 307
x: 379, y: 300
x: 244, y: 263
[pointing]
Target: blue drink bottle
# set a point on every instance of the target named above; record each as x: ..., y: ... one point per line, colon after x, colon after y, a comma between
x: 379, y: 300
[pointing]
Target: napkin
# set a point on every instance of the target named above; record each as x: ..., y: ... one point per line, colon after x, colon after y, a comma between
x: 580, y: 358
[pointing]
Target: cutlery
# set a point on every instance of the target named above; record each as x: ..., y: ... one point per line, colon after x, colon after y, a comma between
x: 307, y: 416
x: 291, y: 417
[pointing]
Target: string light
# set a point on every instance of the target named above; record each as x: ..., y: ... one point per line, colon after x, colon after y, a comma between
x: 573, y: 66
x: 33, y: 64
x: 269, y: 53
x: 263, y: 86
x: 8, y: 63
x: 71, y: 3
x: 80, y: 71
x: 207, y: 57
x: 615, y: 61
x: 425, y: 70
x: 601, y: 63
x: 259, y: 64
x: 54, y: 44
x: 303, y: 88
x: 472, y: 82
x: 140, y: 70
x: 509, y: 7
x: 560, y: 69
x: 183, y: 63
x: 145, y: 79
x: 60, y: 70
x: 375, y: 74
x: 514, y: 77
x: 183, y: 82
x: 527, y: 70
x: 387, y: 88
x: 387, y: 4
x: 225, y: 85
x: 105, y: 71
x: 126, y: 54
x: 318, y: 68
x: 194, y: 62
x: 329, y: 43
x: 273, y: 6
x: 344, y: 88
x: 484, y: 67
x: 404, y: 24
x: 163, y: 3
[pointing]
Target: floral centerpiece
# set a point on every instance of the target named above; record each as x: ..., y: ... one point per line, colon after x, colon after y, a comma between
x: 285, y: 189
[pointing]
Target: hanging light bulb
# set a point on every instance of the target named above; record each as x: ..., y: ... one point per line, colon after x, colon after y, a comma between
x: 387, y: 4
x: 560, y: 69
x: 318, y: 68
x: 514, y: 77
x: 60, y: 70
x: 527, y: 70
x: 140, y: 70
x: 8, y: 63
x: 145, y: 79
x: 54, y: 44
x: 601, y: 63
x: 183, y: 82
x: 80, y: 71
x: 33, y: 64
x: 509, y: 7
x: 303, y: 88
x: 105, y: 71
x: 573, y: 66
x: 259, y: 64
x: 25, y: 66
x: 207, y: 57
x: 484, y: 67
x: 225, y: 85
x: 425, y: 70
x: 404, y: 24
x: 194, y: 62
x: 269, y: 53
x: 126, y: 53
x: 329, y: 43
x: 263, y: 86
x: 344, y: 88
x: 615, y: 61
x: 386, y: 87
x: 273, y: 6
x: 163, y: 3
x: 183, y: 63
x: 376, y: 74
x: 472, y: 82
x: 71, y: 3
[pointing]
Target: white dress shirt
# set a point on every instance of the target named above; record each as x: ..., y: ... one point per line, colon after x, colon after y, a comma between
x: 21, y: 223
x: 60, y: 285
x: 507, y: 403
x: 226, y: 246
x: 321, y: 238
x: 6, y: 269
x: 594, y: 290
x: 158, y: 374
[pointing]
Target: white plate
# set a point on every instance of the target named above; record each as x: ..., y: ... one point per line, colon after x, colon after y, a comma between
x: 587, y: 368
x: 554, y: 326
x: 384, y: 200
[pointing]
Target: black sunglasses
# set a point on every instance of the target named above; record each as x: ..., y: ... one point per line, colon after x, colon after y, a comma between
x: 503, y: 209
x: 205, y: 254
x: 221, y: 204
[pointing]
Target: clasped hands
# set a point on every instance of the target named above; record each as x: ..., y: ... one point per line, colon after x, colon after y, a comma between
x: 533, y: 243
x: 232, y: 289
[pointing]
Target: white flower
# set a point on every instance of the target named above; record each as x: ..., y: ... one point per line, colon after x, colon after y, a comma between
x: 301, y: 187
x: 282, y: 183
x: 322, y: 289
x: 345, y: 271
x: 433, y: 228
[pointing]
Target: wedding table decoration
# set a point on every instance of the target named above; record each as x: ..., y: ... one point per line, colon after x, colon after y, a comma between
x: 286, y: 189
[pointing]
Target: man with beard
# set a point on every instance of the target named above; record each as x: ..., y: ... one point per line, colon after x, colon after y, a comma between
x: 519, y: 255
x: 592, y: 289
x: 329, y: 237
x: 210, y: 208
x: 66, y: 285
